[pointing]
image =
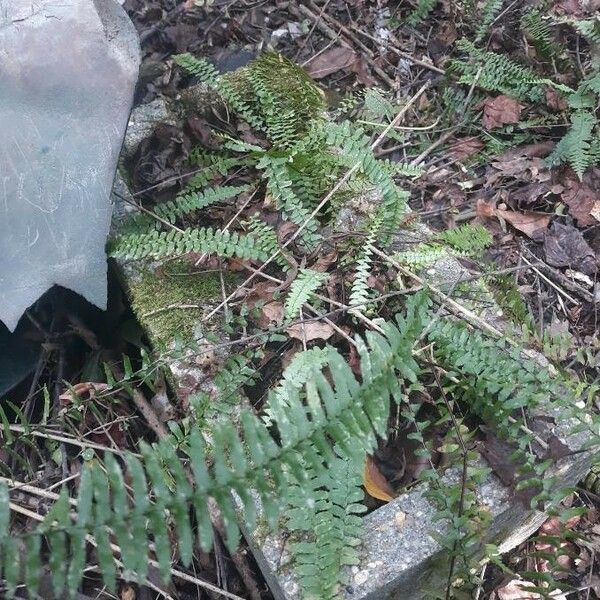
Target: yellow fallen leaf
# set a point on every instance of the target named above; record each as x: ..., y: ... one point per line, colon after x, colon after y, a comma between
x: 375, y: 483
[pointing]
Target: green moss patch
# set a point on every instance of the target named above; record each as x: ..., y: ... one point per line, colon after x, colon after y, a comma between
x: 171, y: 300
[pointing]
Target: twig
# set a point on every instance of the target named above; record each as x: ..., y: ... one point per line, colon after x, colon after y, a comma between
x: 333, y: 35
x: 406, y: 55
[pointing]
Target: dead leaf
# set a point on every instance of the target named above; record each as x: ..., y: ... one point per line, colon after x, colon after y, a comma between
x: 465, y: 147
x: 271, y: 315
x: 313, y: 330
x: 502, y: 110
x: 485, y: 209
x: 332, y: 60
x: 583, y: 197
x: 516, y: 589
x: 527, y: 222
x: 565, y: 246
x: 554, y: 100
x: 375, y: 483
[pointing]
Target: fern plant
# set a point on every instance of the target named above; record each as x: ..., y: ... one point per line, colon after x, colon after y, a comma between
x: 347, y: 413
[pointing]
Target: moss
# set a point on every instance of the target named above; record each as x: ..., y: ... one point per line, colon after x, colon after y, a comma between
x: 159, y: 296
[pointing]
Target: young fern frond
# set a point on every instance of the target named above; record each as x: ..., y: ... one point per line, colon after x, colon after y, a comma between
x: 489, y: 12
x: 307, y: 282
x: 359, y: 294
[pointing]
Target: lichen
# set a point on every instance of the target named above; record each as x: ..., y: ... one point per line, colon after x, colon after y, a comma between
x: 163, y: 300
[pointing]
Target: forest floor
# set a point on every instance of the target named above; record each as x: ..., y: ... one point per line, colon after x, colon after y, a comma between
x: 484, y: 165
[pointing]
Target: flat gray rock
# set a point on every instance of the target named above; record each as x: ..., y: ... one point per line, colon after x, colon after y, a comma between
x: 68, y: 71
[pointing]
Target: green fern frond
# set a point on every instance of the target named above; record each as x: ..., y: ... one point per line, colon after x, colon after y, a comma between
x: 231, y: 95
x: 589, y: 29
x: 576, y: 147
x: 421, y: 11
x: 355, y: 148
x: 360, y: 291
x: 266, y: 237
x: 539, y: 33
x: 188, y: 203
x: 469, y: 239
x: 330, y: 528
x: 489, y: 12
x: 162, y: 244
x: 496, y: 73
x: 280, y: 186
x: 307, y: 282
x: 421, y: 256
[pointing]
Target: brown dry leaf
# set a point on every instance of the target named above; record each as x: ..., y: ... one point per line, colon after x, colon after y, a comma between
x: 554, y: 101
x: 271, y: 315
x: 583, y: 197
x: 485, y: 209
x: 565, y: 246
x: 375, y: 483
x: 332, y: 60
x: 86, y: 390
x: 502, y: 110
x: 313, y: 330
x: 527, y: 222
x: 465, y: 147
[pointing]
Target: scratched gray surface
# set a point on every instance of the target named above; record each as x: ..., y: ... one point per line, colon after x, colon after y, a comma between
x: 67, y: 74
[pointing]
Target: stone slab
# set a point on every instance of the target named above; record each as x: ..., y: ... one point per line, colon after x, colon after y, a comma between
x: 68, y: 71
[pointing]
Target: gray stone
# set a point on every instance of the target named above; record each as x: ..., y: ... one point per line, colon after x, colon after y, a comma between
x: 142, y: 123
x: 68, y: 73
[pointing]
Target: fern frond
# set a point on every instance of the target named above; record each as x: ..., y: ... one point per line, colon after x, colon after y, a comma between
x: 161, y: 244
x: 421, y: 11
x: 208, y: 74
x: 421, y: 255
x: 330, y: 528
x: 496, y: 73
x: 279, y: 185
x: 539, y: 33
x: 360, y: 291
x: 576, y: 147
x: 342, y: 416
x: 266, y: 237
x: 469, y: 239
x: 307, y: 282
x: 188, y: 203
x: 355, y: 148
x: 489, y: 12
